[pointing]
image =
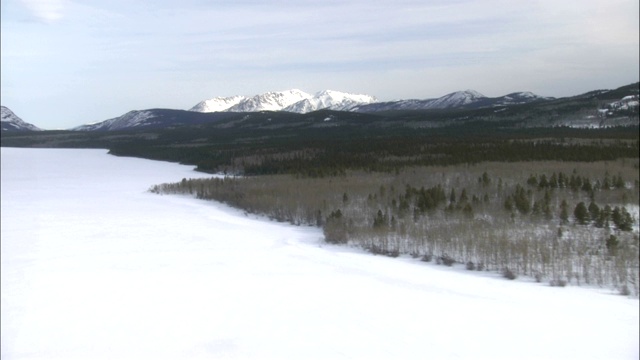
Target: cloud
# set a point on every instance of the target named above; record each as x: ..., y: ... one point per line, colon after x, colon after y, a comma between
x: 48, y: 11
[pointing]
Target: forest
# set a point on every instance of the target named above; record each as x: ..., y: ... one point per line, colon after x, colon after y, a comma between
x: 556, y: 221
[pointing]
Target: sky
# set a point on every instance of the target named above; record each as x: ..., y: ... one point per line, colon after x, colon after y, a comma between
x: 70, y: 62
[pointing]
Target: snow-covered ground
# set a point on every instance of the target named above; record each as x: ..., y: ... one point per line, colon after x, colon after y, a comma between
x: 95, y: 267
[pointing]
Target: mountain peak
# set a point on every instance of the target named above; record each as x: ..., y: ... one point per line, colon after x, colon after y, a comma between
x: 457, y: 99
x: 270, y: 101
x: 330, y: 99
x: 11, y: 122
x: 293, y: 100
x: 132, y: 119
x: 472, y: 93
x: 217, y: 103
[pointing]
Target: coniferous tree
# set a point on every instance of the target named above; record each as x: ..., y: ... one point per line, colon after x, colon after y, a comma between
x: 612, y: 244
x: 543, y: 182
x: 564, y: 211
x: 581, y: 213
x: 594, y: 211
x: 508, y: 203
x: 463, y: 196
x: 607, y: 181
x: 485, y: 179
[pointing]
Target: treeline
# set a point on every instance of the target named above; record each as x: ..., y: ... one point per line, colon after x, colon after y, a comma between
x: 331, y: 152
x: 521, y: 218
x: 387, y: 155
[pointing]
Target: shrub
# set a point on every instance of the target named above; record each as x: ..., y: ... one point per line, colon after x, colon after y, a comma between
x: 538, y: 276
x: 427, y: 258
x: 624, y: 290
x: 509, y: 274
x: 393, y: 253
x: 446, y: 260
x: 335, y: 229
x: 471, y: 266
x: 558, y: 283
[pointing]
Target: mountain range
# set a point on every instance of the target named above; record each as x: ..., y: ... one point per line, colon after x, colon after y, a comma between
x: 295, y: 101
x: 468, y: 99
x: 299, y: 102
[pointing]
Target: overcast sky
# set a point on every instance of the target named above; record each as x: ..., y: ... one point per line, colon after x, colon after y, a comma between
x: 70, y: 62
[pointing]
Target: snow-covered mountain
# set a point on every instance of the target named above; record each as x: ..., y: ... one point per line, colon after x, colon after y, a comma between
x: 217, y: 104
x: 456, y: 99
x: 468, y: 99
x: 332, y: 100
x: 289, y: 100
x: 154, y: 119
x: 300, y: 102
x: 129, y: 120
x: 11, y: 122
x: 270, y: 101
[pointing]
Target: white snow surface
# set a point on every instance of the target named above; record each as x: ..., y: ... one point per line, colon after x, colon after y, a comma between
x: 95, y: 267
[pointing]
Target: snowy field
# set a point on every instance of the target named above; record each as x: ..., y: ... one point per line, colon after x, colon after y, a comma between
x: 95, y: 267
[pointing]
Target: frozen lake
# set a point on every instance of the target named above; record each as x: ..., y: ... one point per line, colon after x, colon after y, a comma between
x: 95, y: 267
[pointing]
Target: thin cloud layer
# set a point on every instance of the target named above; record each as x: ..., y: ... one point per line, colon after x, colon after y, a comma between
x: 48, y: 11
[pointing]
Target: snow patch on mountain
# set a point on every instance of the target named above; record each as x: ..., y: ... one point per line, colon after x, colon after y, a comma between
x: 11, y: 122
x: 131, y: 119
x: 293, y: 100
x: 459, y: 99
x: 518, y: 98
x: 456, y: 99
x: 217, y: 104
x: 330, y: 99
x: 270, y: 101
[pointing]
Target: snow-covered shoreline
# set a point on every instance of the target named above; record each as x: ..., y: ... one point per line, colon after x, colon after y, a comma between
x: 94, y: 266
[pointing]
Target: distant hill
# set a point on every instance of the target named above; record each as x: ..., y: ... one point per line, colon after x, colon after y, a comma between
x: 11, y: 122
x: 151, y: 119
x: 468, y: 99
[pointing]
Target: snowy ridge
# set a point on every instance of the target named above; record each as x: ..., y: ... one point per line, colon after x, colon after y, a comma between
x: 332, y: 100
x: 300, y: 102
x: 270, y: 101
x: 217, y: 104
x: 11, y: 122
x: 519, y: 98
x: 458, y: 99
x: 131, y: 119
x: 289, y: 100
